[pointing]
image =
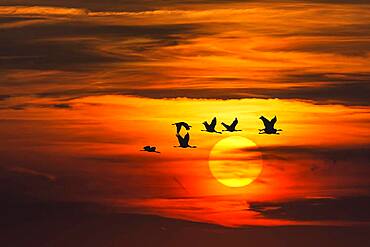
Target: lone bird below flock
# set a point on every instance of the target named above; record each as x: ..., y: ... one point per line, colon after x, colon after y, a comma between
x: 181, y: 124
x: 150, y: 149
x: 211, y: 127
x: 231, y: 127
x: 269, y: 126
x: 184, y: 141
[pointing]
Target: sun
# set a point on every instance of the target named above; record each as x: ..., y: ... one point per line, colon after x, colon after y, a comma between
x: 235, y: 161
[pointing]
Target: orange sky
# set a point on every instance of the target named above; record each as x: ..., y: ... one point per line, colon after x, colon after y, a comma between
x: 83, y: 88
x: 100, y: 138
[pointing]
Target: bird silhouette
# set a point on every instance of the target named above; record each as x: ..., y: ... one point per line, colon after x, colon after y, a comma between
x: 269, y: 126
x: 231, y: 127
x: 211, y: 127
x: 181, y: 124
x: 184, y: 141
x: 150, y: 149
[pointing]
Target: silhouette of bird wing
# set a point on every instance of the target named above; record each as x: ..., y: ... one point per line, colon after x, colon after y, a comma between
x: 266, y: 122
x: 178, y: 127
x: 187, y: 126
x: 180, y: 139
x: 153, y: 149
x: 186, y: 139
x: 273, y: 121
x: 146, y: 148
x: 213, y: 123
x: 235, y: 122
x: 225, y: 125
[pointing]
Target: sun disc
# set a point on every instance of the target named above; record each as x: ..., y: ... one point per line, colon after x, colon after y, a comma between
x: 235, y: 161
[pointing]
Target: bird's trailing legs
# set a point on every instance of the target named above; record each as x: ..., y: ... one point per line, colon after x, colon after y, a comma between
x: 218, y: 132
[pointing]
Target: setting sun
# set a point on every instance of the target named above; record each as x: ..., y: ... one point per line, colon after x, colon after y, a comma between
x: 235, y: 162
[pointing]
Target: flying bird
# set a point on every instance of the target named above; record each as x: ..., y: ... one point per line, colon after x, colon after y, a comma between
x: 150, y: 149
x: 211, y: 127
x: 269, y: 126
x: 184, y: 141
x: 179, y: 125
x: 231, y: 127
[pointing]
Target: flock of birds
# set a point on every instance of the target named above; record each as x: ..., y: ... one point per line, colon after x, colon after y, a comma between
x: 211, y: 127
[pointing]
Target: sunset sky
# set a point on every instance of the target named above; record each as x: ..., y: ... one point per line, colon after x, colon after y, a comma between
x: 84, y: 85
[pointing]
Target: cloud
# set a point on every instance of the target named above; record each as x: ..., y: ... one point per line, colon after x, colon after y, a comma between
x: 77, y: 49
x: 34, y: 220
x: 4, y: 97
x: 26, y: 171
x: 357, y: 155
x: 21, y: 184
x: 12, y: 19
x: 341, y: 93
x: 79, y: 46
x: 36, y: 105
x: 316, y: 209
x: 357, y: 45
x: 40, y: 11
x: 127, y: 5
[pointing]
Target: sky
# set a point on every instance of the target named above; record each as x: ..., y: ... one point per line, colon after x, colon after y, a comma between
x: 84, y: 86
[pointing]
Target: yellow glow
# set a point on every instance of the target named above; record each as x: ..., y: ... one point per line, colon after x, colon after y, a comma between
x: 234, y: 161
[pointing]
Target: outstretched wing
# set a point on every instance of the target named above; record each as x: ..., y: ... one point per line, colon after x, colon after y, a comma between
x: 178, y: 127
x: 273, y: 121
x: 187, y: 126
x: 213, y: 123
x: 180, y: 139
x: 186, y: 139
x: 235, y: 122
x: 266, y: 122
x: 225, y: 125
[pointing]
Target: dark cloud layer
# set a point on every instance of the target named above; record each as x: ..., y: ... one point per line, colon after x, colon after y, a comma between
x: 342, y: 93
x: 127, y: 5
x: 11, y: 19
x: 72, y: 224
x: 360, y: 153
x: 340, y: 209
x: 82, y: 47
x: 74, y: 45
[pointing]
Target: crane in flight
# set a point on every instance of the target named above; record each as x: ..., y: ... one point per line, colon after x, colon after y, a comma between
x: 231, y: 127
x: 269, y: 126
x: 179, y: 125
x: 211, y: 127
x: 150, y: 149
x: 184, y: 141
